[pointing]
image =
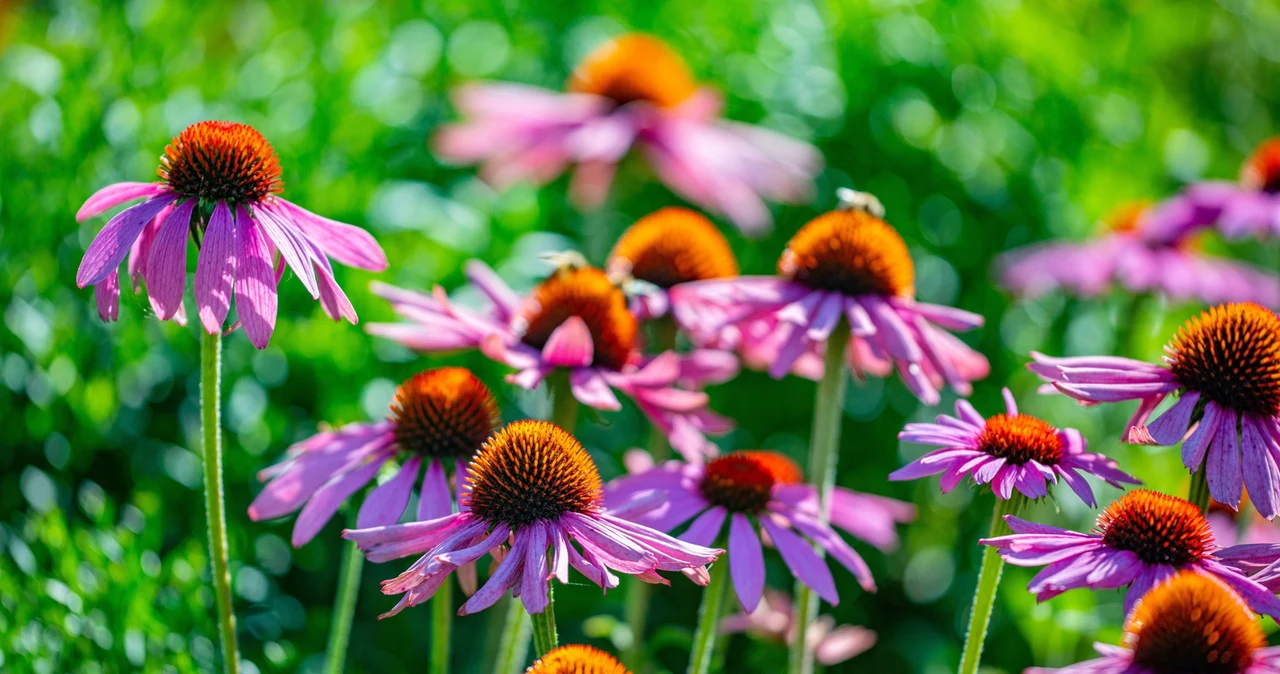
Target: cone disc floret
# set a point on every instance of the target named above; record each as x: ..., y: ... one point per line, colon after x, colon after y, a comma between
x: 221, y: 161
x: 851, y: 252
x: 673, y: 246
x: 444, y: 413
x: 1230, y: 354
x: 635, y: 67
x: 531, y: 471
x: 744, y: 481
x: 587, y: 293
x: 1020, y: 438
x: 1158, y: 528
x: 1261, y: 171
x: 577, y: 659
x: 1193, y: 624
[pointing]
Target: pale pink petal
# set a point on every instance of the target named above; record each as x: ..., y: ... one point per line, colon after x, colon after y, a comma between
x: 167, y: 265
x: 216, y: 269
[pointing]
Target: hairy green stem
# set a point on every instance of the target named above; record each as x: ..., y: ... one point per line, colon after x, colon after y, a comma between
x: 545, y: 638
x: 1199, y: 491
x: 214, y: 499
x: 564, y: 407
x: 984, y: 598
x: 514, y: 645
x: 344, y: 604
x: 824, y: 451
x: 704, y: 639
x: 441, y: 624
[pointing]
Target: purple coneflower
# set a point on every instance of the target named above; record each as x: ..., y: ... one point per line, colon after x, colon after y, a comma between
x: 765, y: 487
x: 1008, y: 451
x: 1251, y: 206
x: 439, y: 418
x: 218, y: 185
x: 1224, y: 365
x: 530, y: 489
x: 1139, y: 261
x: 1191, y: 623
x: 845, y: 265
x: 775, y: 618
x: 1141, y: 540
x: 576, y: 322
x: 633, y: 91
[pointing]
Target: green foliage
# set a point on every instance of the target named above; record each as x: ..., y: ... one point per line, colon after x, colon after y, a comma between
x: 980, y: 125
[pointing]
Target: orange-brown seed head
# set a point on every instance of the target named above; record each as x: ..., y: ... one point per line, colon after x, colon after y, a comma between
x: 577, y: 659
x: 1230, y: 354
x: 587, y: 293
x: 671, y: 246
x: 1021, y: 438
x: 851, y: 252
x: 221, y: 161
x: 1261, y: 171
x: 1158, y: 528
x: 1193, y: 623
x: 531, y: 471
x: 635, y: 67
x: 743, y: 481
x: 446, y: 413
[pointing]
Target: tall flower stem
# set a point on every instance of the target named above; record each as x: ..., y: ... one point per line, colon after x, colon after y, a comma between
x: 1199, y: 491
x: 515, y: 635
x: 441, y: 624
x: 214, y: 500
x: 984, y: 599
x: 344, y: 604
x: 704, y: 639
x: 545, y: 638
x: 639, y: 593
x: 513, y: 648
x: 824, y: 450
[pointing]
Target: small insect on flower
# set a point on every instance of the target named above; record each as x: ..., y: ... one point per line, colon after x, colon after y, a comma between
x: 531, y: 488
x: 1008, y: 451
x: 1188, y: 623
x: 1249, y: 207
x: 219, y: 186
x: 1131, y: 256
x: 577, y: 659
x: 845, y: 265
x: 660, y: 251
x: 631, y: 92
x: 765, y: 490
x: 575, y: 322
x: 1141, y: 540
x: 775, y: 618
x: 1224, y: 366
x: 439, y: 419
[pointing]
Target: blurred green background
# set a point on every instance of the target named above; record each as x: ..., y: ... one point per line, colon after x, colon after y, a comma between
x: 981, y: 125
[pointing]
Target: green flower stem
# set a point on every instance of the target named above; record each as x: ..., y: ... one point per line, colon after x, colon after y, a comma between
x: 1199, y: 491
x: 984, y: 599
x: 344, y: 604
x: 704, y: 639
x: 214, y: 499
x: 441, y: 623
x: 514, y: 646
x: 639, y: 593
x: 545, y: 638
x: 824, y: 450
x: 564, y: 407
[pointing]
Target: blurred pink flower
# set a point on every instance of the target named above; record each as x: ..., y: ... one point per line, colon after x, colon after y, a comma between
x: 219, y: 182
x: 774, y: 619
x: 1249, y: 207
x: 577, y: 322
x: 633, y: 91
x: 845, y: 265
x: 1138, y: 260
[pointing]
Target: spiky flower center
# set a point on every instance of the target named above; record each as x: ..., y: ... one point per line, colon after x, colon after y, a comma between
x: 1125, y: 219
x: 531, y: 471
x: 743, y: 481
x: 1020, y: 438
x: 671, y: 246
x: 221, y: 161
x: 445, y: 413
x: 587, y: 293
x: 1231, y: 355
x: 635, y: 67
x: 1158, y: 528
x: 1193, y: 624
x: 577, y: 659
x: 1261, y: 171
x: 851, y: 252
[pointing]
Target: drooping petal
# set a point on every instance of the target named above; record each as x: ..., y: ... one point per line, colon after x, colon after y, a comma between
x: 569, y: 345
x: 325, y: 502
x: 807, y: 566
x: 746, y: 562
x: 107, y: 296
x: 216, y: 268
x: 167, y: 264
x: 386, y: 503
x: 113, y: 195
x: 255, y: 283
x: 435, y: 499
x: 113, y: 243
x: 345, y: 243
